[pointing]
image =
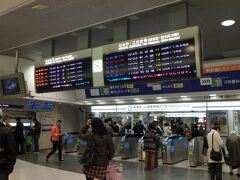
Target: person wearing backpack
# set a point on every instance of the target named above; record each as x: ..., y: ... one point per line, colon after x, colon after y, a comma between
x: 100, y: 144
x: 151, y: 141
x: 215, y: 155
x: 7, y: 150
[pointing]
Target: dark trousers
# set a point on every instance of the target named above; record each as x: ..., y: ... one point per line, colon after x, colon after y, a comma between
x: 3, y: 176
x: 28, y: 148
x: 20, y: 147
x: 57, y: 145
x: 36, y: 142
x: 215, y: 170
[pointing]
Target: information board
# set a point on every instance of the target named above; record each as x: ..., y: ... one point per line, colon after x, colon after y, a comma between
x: 71, y: 75
x: 39, y: 106
x: 175, y: 60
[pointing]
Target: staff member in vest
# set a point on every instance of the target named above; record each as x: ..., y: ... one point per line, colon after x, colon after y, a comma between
x: 56, y: 138
x: 215, y: 143
x: 7, y: 149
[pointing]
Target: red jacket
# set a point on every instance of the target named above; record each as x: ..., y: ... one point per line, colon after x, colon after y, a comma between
x: 56, y: 133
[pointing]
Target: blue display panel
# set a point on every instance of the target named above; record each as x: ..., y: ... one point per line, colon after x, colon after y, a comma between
x: 75, y: 74
x: 39, y: 106
x: 168, y: 61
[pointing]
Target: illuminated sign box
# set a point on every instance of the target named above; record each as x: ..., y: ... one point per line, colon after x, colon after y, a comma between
x: 167, y: 56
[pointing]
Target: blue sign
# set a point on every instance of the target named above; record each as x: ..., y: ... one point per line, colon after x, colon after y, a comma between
x: 219, y: 82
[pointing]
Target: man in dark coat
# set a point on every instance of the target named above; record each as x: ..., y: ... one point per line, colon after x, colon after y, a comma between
x: 19, y: 136
x: 7, y: 151
x: 233, y: 147
x: 36, y: 134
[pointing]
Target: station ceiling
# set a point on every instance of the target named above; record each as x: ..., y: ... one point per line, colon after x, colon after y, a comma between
x: 22, y: 25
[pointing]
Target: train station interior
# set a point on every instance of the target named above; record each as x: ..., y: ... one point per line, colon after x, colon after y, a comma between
x: 130, y: 64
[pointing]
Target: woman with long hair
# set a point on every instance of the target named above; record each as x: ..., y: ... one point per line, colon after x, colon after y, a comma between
x: 102, y: 144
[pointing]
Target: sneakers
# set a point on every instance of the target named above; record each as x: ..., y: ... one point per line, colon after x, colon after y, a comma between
x: 46, y: 159
x: 238, y: 175
x: 231, y: 173
x: 60, y: 160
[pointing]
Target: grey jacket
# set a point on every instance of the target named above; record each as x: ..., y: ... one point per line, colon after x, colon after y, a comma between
x: 104, y: 148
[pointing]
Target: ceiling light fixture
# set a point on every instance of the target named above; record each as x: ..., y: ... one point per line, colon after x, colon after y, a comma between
x: 183, y: 96
x: 136, y: 99
x: 40, y: 7
x: 159, y: 97
x: 228, y: 22
x: 212, y: 95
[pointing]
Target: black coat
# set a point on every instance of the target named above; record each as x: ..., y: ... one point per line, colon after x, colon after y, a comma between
x: 104, y: 148
x: 7, y: 142
x: 37, y: 128
x: 19, y: 136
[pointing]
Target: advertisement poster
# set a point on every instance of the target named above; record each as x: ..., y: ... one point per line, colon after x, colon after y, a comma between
x: 221, y: 118
x: 46, y: 119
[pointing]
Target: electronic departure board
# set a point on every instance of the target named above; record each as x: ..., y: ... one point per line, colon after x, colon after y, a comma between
x: 175, y: 60
x: 71, y: 75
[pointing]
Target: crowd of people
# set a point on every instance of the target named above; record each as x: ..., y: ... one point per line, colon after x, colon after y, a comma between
x: 99, y: 137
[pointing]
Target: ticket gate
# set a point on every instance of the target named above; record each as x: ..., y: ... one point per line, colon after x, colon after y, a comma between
x: 141, y: 153
x: 117, y: 144
x: 195, y: 156
x: 70, y: 142
x: 82, y: 146
x: 174, y: 149
x: 129, y: 146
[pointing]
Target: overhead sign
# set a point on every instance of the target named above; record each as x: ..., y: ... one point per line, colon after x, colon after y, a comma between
x: 65, y: 76
x: 174, y: 55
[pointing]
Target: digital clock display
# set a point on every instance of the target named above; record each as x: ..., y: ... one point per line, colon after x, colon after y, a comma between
x: 175, y: 60
x: 72, y: 75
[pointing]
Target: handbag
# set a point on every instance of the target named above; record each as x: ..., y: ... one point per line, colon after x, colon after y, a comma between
x: 114, y: 172
x: 89, y: 156
x: 214, y: 155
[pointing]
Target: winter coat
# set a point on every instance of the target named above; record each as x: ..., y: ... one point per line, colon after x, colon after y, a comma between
x: 151, y: 141
x: 8, y: 150
x: 217, y: 143
x: 104, y: 148
x: 233, y: 147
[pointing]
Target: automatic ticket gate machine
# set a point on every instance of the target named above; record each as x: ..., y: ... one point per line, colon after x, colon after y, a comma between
x: 174, y: 149
x: 82, y: 146
x: 70, y: 142
x: 129, y: 146
x: 195, y: 156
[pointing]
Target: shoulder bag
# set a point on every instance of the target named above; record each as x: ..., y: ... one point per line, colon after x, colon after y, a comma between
x: 214, y: 155
x: 89, y: 156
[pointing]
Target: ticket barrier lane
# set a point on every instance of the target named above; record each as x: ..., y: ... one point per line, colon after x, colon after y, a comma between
x: 195, y: 156
x: 70, y: 142
x: 174, y: 149
x: 129, y: 146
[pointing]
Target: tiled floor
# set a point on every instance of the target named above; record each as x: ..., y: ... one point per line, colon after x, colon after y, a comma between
x: 70, y: 169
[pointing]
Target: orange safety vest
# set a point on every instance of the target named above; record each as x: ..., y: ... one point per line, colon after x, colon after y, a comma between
x: 55, y: 134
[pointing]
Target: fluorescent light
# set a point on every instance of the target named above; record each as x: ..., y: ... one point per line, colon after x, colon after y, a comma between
x: 139, y: 101
x: 98, y: 101
x: 161, y: 100
x: 183, y: 96
x: 228, y: 22
x: 159, y: 97
x: 85, y: 101
x: 40, y: 7
x: 102, y: 103
x: 212, y: 95
x: 120, y: 102
x: 89, y: 103
x: 136, y: 99
x: 116, y: 100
